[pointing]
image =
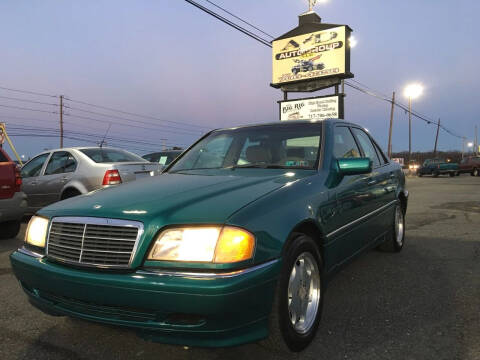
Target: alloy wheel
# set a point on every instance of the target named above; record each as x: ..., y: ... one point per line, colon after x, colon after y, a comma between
x: 399, y: 226
x: 304, y: 293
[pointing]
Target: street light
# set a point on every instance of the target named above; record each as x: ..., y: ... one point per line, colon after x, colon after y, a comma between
x: 352, y: 41
x: 412, y: 91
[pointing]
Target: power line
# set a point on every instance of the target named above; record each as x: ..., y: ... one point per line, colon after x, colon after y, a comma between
x: 53, y: 130
x: 28, y: 109
x: 28, y: 92
x: 239, y: 18
x: 29, y: 101
x: 128, y: 125
x: 230, y: 23
x: 131, y: 120
x: 134, y: 114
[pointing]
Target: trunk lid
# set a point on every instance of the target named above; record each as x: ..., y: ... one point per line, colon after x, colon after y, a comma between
x: 131, y: 171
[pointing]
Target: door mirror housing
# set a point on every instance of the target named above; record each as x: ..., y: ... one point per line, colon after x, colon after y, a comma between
x: 354, y: 166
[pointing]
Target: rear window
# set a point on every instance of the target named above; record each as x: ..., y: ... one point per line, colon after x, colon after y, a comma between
x: 111, y: 155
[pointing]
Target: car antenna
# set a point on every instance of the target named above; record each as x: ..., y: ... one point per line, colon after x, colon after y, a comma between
x: 106, y: 133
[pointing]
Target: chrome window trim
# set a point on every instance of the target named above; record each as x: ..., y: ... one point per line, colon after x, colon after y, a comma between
x: 206, y: 275
x: 96, y: 221
x: 361, y: 218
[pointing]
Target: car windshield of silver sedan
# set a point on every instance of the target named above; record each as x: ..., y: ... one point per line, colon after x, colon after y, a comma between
x: 286, y: 146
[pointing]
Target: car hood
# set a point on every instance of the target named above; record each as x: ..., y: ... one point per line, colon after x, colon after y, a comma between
x: 189, y: 197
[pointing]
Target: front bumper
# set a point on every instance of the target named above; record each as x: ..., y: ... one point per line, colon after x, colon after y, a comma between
x: 210, y: 311
x: 13, y: 208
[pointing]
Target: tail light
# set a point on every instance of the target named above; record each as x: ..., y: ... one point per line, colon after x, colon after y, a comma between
x: 112, y: 177
x: 18, y: 180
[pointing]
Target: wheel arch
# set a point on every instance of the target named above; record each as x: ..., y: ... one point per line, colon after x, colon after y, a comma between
x: 70, y: 188
x: 310, y: 228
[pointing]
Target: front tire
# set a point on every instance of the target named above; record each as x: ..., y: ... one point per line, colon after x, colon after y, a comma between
x: 298, y: 303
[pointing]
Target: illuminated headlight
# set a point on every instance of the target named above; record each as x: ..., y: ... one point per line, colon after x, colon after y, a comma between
x: 212, y: 244
x: 36, y: 234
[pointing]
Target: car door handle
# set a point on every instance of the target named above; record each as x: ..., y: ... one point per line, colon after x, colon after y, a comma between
x: 65, y: 179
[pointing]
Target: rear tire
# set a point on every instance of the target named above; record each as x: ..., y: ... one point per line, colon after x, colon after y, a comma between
x: 297, y: 307
x: 452, y: 174
x: 396, y: 239
x: 436, y: 173
x: 10, y: 229
x: 475, y: 172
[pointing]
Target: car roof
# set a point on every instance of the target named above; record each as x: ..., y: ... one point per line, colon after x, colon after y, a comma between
x: 80, y: 148
x: 289, y: 123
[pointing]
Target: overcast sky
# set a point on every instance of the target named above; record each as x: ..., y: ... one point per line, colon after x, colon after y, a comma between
x: 167, y: 59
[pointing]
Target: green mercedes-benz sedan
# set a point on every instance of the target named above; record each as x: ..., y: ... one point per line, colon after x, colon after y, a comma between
x: 235, y: 242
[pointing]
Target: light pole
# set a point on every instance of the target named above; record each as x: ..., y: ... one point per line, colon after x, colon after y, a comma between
x: 412, y: 91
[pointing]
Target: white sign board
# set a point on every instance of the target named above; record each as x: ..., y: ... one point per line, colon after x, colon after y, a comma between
x: 319, y: 108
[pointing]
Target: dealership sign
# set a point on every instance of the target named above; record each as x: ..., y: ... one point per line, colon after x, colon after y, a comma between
x: 316, y: 108
x: 312, y: 55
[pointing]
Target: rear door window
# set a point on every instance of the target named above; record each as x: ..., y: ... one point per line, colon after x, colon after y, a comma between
x: 34, y: 166
x: 60, y: 162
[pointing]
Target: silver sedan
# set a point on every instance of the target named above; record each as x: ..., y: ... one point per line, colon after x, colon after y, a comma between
x: 63, y: 173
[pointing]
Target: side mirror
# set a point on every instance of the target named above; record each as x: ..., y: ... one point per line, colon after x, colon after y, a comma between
x: 354, y: 166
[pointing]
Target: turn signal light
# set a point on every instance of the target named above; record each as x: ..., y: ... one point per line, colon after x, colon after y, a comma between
x: 234, y: 245
x: 112, y: 177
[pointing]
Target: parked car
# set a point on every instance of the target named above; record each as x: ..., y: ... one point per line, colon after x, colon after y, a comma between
x: 437, y: 167
x: 236, y: 241
x: 163, y: 158
x: 306, y: 65
x: 64, y: 173
x: 13, y: 202
x: 470, y: 164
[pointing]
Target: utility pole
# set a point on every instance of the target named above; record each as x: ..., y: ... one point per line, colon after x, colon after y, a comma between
x: 409, y: 128
x: 436, y: 140
x: 476, y: 140
x: 391, y: 126
x: 61, y: 121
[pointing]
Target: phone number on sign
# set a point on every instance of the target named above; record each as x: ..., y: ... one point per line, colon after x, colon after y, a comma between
x: 324, y: 115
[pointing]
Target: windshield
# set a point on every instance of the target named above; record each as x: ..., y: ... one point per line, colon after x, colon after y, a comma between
x: 101, y: 155
x: 292, y: 146
x: 163, y: 158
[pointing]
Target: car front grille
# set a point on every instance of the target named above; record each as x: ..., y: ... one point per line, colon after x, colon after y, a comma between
x: 95, y: 242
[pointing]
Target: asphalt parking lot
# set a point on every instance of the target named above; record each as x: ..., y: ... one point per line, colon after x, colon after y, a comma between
x: 423, y: 303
